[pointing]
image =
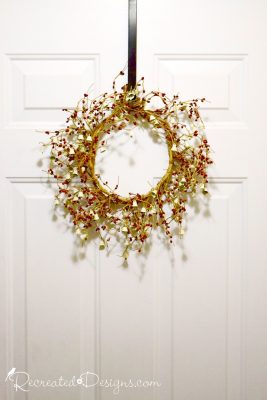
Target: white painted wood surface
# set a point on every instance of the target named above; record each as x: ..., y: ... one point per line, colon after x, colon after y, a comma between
x: 192, y: 317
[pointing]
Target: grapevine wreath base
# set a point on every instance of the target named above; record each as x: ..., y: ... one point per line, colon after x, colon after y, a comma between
x: 90, y: 202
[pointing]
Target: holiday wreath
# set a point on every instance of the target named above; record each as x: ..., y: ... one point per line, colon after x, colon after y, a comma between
x: 90, y: 202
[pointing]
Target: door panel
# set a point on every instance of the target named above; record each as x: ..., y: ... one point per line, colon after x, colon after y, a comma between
x: 190, y: 317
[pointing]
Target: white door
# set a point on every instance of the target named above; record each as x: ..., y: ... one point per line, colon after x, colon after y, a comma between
x: 182, y: 324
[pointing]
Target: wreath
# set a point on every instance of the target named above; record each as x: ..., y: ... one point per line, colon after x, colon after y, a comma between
x: 91, y: 203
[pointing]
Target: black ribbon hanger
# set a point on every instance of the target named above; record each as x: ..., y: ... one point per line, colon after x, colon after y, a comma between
x: 132, y: 34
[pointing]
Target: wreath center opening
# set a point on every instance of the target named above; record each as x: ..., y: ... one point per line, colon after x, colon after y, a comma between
x: 131, y: 160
